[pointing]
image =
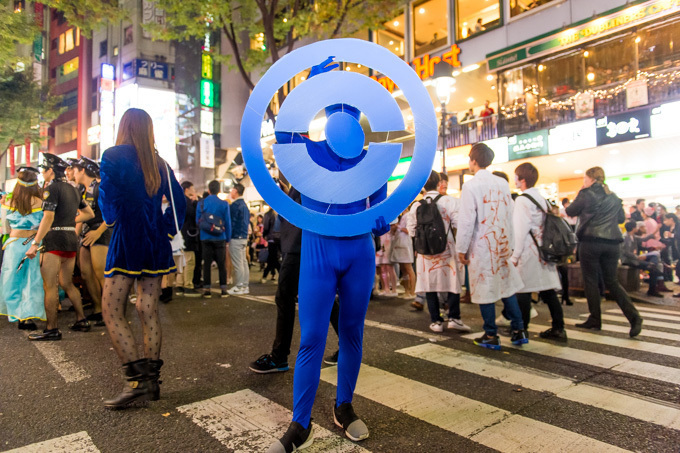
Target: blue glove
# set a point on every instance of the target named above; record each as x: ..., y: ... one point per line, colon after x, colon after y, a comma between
x: 323, y: 67
x: 381, y: 227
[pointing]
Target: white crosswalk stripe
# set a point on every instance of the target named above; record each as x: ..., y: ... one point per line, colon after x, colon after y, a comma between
x: 245, y: 421
x: 658, y: 413
x: 620, y: 364
x: 485, y: 424
x: 658, y: 310
x: 647, y: 322
x: 646, y: 333
x: 56, y: 356
x: 73, y: 443
x: 626, y: 343
x: 652, y: 314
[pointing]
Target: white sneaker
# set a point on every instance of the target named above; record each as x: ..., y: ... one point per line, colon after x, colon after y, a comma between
x: 501, y: 321
x: 457, y: 324
x: 245, y: 290
x: 533, y: 313
x: 238, y: 290
x: 263, y: 280
x: 437, y: 327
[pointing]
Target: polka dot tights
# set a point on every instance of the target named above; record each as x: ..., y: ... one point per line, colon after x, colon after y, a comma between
x: 114, y: 304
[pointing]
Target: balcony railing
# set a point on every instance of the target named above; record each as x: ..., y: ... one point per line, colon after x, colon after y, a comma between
x: 472, y: 131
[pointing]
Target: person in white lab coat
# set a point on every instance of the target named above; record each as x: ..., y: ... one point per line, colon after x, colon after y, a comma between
x: 538, y: 275
x: 439, y: 273
x: 485, y: 242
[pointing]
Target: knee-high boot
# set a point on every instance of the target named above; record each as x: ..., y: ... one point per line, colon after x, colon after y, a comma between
x: 138, y: 387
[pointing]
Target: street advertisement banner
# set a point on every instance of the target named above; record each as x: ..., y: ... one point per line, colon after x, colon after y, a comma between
x: 623, y: 127
x: 531, y: 144
x: 572, y: 137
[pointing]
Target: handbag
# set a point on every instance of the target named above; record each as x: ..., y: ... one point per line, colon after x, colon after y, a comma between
x: 177, y: 242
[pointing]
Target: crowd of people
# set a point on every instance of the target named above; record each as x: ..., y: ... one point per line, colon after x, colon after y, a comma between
x: 131, y: 232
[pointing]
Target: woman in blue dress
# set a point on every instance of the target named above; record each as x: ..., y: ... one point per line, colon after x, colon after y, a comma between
x: 22, y: 297
x: 134, y: 180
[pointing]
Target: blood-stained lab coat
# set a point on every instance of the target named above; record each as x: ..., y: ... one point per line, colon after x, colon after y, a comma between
x: 441, y: 272
x: 485, y: 234
x: 537, y: 275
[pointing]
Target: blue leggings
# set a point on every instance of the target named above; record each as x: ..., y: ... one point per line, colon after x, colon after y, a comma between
x: 329, y: 265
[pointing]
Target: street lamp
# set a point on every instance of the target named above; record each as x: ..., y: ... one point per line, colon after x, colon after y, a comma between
x: 444, y: 81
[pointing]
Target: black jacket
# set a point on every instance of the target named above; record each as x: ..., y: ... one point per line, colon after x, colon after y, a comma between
x: 599, y: 215
x: 190, y: 231
x: 268, y: 226
x: 291, y: 236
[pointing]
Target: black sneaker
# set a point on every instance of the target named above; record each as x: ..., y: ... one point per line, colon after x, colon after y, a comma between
x: 296, y: 438
x: 224, y: 294
x: 636, y: 327
x: 81, y: 326
x: 206, y: 294
x: 266, y: 364
x: 345, y: 418
x: 166, y: 295
x: 96, y: 319
x: 519, y: 337
x: 190, y: 292
x: 490, y: 342
x: 554, y: 334
x: 589, y: 324
x: 179, y: 291
x: 46, y: 335
x: 27, y: 325
x: 331, y: 359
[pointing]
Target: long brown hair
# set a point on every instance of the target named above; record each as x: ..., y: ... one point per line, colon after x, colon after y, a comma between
x: 136, y: 129
x: 597, y: 174
x: 26, y: 189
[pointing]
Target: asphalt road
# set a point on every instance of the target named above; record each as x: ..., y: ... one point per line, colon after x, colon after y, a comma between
x: 418, y: 391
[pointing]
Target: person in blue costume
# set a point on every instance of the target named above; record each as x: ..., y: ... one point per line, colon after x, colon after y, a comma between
x: 21, y: 290
x: 345, y: 265
x: 134, y: 181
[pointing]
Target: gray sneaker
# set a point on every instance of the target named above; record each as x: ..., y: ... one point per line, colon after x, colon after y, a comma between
x: 296, y: 438
x: 345, y: 418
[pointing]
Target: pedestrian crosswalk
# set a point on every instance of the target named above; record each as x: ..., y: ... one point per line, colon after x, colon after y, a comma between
x: 245, y: 420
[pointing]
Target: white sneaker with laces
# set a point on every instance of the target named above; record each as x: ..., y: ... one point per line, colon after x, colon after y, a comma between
x: 238, y: 290
x: 457, y: 324
x: 437, y: 327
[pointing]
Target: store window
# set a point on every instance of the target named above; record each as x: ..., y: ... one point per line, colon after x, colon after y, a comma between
x: 610, y: 61
x: 430, y: 25
x: 392, y: 35
x: 67, y: 132
x: 562, y: 75
x: 656, y: 47
x: 518, y: 7
x: 473, y: 16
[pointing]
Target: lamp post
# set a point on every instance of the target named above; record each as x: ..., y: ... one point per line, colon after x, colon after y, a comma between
x: 444, y: 82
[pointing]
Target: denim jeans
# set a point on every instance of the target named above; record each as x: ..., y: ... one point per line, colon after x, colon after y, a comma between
x: 453, y: 301
x: 511, y: 308
x: 237, y: 252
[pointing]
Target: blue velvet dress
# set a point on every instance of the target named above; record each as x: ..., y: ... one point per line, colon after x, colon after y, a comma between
x: 21, y: 292
x: 140, y: 243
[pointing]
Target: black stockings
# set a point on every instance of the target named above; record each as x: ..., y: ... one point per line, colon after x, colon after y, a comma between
x: 114, y: 303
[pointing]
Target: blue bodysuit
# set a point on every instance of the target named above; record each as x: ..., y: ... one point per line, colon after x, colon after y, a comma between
x: 330, y: 265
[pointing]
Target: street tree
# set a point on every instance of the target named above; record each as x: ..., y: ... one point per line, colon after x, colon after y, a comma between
x: 17, y: 29
x: 260, y: 32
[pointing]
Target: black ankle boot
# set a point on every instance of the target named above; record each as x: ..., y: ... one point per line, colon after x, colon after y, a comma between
x: 138, y: 387
x: 155, y: 381
x: 166, y: 295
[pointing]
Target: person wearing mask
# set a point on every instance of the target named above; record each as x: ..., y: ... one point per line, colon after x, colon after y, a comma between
x: 485, y: 243
x: 190, y: 233
x: 134, y: 181
x: 57, y: 235
x: 94, y: 236
x: 21, y: 290
x: 439, y: 273
x: 213, y: 217
x: 600, y: 212
x: 240, y: 216
x: 537, y: 275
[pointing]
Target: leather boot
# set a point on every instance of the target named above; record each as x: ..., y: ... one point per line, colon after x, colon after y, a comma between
x: 155, y: 381
x: 138, y: 387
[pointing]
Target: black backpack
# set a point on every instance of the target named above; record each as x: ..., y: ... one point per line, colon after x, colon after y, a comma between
x: 559, y: 239
x: 210, y: 223
x: 431, y: 232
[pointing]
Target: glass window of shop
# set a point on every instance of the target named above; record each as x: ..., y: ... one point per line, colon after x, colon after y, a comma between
x: 610, y: 61
x: 391, y: 36
x: 474, y: 16
x: 66, y: 132
x: 656, y: 47
x: 430, y: 25
x: 562, y: 75
x: 518, y: 7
